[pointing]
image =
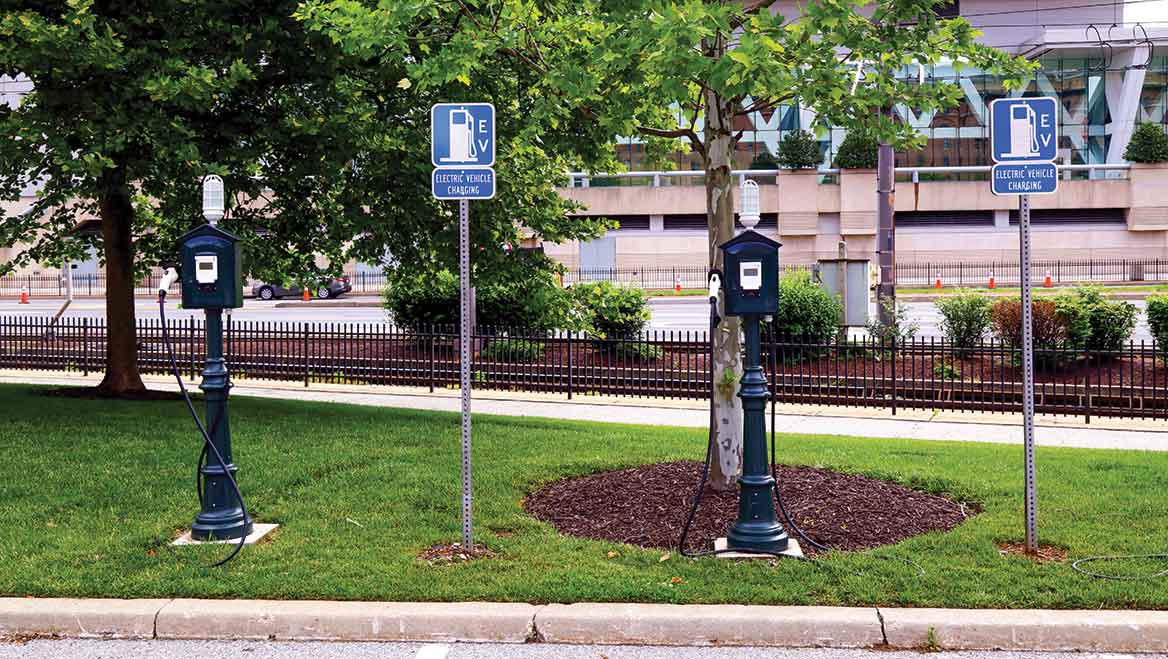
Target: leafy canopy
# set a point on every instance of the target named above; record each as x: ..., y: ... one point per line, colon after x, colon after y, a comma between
x: 324, y: 148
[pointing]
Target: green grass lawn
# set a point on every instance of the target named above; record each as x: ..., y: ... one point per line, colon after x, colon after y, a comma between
x: 92, y: 492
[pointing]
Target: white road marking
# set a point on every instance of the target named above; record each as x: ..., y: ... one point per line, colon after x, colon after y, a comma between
x: 433, y: 652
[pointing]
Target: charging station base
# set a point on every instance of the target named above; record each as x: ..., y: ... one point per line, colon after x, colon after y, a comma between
x: 793, y: 550
x: 258, y: 531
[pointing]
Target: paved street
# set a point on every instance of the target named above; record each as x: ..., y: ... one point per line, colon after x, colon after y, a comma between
x: 89, y: 649
x: 680, y: 314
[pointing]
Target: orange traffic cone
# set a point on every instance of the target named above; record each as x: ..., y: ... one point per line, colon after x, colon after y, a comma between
x: 938, y: 284
x: 991, y: 279
x: 1046, y: 283
x: 306, y: 296
x: 24, y: 294
x: 676, y: 283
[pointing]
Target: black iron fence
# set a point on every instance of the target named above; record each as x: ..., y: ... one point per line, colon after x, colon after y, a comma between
x: 911, y: 274
x: 925, y: 374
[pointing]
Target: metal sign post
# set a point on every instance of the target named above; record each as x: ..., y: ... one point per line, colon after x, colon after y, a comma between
x: 1027, y: 374
x: 1024, y: 139
x: 462, y: 150
x: 464, y: 357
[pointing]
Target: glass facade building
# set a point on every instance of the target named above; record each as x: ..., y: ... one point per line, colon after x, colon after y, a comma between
x: 959, y: 136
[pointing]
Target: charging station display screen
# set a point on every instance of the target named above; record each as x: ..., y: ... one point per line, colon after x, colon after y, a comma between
x: 206, y: 266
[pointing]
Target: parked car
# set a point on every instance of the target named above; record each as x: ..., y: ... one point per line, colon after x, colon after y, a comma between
x: 334, y: 288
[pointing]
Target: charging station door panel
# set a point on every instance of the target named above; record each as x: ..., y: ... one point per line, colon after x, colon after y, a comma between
x: 751, y: 271
x: 212, y: 269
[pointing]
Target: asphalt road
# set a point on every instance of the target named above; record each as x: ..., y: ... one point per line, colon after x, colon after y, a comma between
x: 680, y: 314
x: 89, y: 649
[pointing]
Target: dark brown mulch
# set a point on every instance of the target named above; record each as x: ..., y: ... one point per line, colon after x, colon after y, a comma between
x: 1046, y: 553
x: 92, y: 393
x: 646, y: 506
x: 449, y: 553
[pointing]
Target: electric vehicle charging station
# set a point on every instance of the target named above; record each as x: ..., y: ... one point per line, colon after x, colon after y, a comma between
x: 211, y: 277
x: 750, y: 290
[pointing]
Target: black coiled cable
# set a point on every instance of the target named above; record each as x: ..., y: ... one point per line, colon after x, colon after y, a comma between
x: 209, y: 447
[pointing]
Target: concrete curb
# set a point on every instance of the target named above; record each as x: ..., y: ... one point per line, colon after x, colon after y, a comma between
x: 1064, y: 631
x: 697, y: 624
x: 79, y: 618
x: 590, y: 623
x: 345, y: 621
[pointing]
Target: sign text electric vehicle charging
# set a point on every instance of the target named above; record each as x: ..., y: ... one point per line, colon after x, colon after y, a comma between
x: 1024, y: 143
x: 462, y: 150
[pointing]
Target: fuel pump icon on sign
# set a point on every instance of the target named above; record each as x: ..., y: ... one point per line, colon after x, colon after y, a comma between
x: 1023, y: 133
x: 462, y: 137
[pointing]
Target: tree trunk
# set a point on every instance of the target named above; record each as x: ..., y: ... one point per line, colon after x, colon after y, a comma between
x: 719, y: 143
x: 117, y: 217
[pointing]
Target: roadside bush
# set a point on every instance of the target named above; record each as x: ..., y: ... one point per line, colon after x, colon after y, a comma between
x: 1094, y: 322
x: 1158, y: 321
x: 799, y: 150
x: 609, y: 311
x: 965, y: 318
x: 416, y: 300
x: 806, y: 310
x: 532, y: 300
x: 1050, y: 327
x: 1149, y: 143
x: 513, y: 350
x: 858, y: 151
x: 899, y: 327
x: 637, y: 351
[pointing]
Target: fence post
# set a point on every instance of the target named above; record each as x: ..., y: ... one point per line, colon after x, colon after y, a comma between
x: 571, y: 368
x: 304, y: 345
x: 191, y: 335
x: 85, y: 347
x: 431, y: 332
x: 894, y: 373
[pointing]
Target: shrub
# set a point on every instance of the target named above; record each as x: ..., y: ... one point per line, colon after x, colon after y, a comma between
x: 806, y: 310
x: 1050, y: 327
x: 965, y: 318
x: 417, y: 299
x: 610, y: 311
x: 532, y: 300
x: 513, y: 350
x: 858, y: 151
x: 1093, y: 322
x: 1158, y: 321
x: 1148, y: 143
x: 899, y: 327
x: 638, y: 351
x: 799, y: 150
x: 764, y: 160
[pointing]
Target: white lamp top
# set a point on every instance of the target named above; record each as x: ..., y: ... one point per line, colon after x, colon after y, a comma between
x: 749, y: 216
x: 213, y: 202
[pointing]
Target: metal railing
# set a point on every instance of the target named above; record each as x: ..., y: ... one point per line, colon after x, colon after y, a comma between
x: 928, y: 374
x: 657, y: 177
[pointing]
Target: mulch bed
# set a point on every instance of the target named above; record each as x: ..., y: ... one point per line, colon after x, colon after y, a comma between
x: 646, y: 506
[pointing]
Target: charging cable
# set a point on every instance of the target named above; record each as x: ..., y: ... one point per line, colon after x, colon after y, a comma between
x: 209, y: 448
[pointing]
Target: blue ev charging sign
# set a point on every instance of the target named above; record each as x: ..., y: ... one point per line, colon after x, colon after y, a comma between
x: 1024, y: 144
x: 462, y: 135
x: 462, y: 148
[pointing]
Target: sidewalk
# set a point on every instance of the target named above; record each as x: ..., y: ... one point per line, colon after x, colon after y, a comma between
x: 1140, y: 434
x: 587, y: 623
